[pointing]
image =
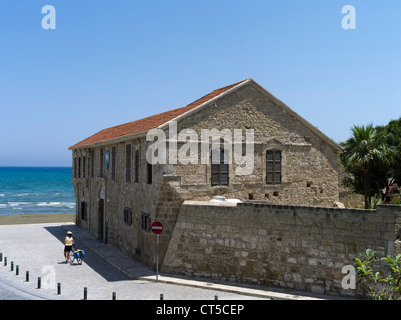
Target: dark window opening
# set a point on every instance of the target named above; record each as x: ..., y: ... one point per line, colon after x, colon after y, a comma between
x: 84, y: 209
x: 150, y: 173
x: 128, y: 163
x: 128, y: 216
x: 145, y: 222
x: 137, y: 166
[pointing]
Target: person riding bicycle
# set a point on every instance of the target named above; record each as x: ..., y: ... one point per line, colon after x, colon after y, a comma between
x: 68, y: 243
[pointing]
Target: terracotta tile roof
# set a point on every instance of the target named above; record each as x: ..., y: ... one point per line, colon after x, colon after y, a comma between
x: 149, y: 122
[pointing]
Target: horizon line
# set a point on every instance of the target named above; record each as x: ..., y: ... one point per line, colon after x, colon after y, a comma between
x: 31, y: 166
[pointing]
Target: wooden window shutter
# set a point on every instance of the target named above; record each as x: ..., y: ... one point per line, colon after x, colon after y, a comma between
x: 273, y: 166
x: 220, y: 172
x: 269, y: 167
x: 223, y: 167
x: 224, y: 174
x: 277, y: 166
x: 215, y: 174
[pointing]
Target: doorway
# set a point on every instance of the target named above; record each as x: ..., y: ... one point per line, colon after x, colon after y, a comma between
x: 100, y: 221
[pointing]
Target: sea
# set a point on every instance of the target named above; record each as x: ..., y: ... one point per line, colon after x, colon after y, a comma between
x: 32, y: 190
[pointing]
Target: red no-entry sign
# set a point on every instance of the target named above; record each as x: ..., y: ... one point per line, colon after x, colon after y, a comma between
x: 157, y: 227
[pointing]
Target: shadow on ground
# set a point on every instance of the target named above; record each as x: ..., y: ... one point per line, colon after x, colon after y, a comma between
x: 94, y: 261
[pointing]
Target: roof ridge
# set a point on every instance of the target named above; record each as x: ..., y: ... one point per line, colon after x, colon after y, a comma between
x: 234, y: 84
x: 152, y: 121
x: 156, y: 114
x: 218, y: 89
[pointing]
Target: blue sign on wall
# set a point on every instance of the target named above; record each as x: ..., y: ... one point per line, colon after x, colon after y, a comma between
x: 107, y: 158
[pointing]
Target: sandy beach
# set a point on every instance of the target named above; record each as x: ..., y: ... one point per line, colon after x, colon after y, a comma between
x: 36, y: 218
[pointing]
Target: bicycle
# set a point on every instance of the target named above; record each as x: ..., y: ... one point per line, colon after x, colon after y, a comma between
x: 76, y: 254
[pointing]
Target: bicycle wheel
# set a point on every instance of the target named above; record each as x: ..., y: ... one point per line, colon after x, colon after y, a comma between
x: 72, y: 256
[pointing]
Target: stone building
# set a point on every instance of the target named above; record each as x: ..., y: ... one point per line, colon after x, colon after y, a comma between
x: 119, y: 193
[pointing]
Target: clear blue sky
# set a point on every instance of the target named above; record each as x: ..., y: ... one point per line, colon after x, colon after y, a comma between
x: 110, y: 62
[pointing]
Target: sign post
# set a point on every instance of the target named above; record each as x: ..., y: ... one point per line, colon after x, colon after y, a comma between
x: 157, y: 228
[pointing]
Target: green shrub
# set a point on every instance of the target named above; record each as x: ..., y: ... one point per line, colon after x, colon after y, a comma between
x: 382, y: 283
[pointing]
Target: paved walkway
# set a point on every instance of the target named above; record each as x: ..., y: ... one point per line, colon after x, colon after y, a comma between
x: 38, y: 248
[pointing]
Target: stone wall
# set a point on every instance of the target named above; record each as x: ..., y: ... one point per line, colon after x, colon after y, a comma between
x: 294, y: 247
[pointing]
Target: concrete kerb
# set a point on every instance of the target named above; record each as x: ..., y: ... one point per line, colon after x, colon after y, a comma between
x: 134, y: 269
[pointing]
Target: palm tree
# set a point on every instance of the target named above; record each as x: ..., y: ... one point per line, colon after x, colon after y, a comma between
x: 366, y: 149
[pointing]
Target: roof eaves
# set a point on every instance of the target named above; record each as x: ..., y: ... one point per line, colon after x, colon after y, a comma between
x: 111, y: 141
x: 163, y: 126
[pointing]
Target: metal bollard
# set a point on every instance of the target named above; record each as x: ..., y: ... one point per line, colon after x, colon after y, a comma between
x: 114, y: 296
x: 17, y: 270
x: 58, y: 288
x: 39, y: 282
x: 1, y: 256
x: 161, y: 296
x: 85, y: 293
x: 5, y: 261
x: 12, y: 266
x: 27, y: 276
x: 216, y: 297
